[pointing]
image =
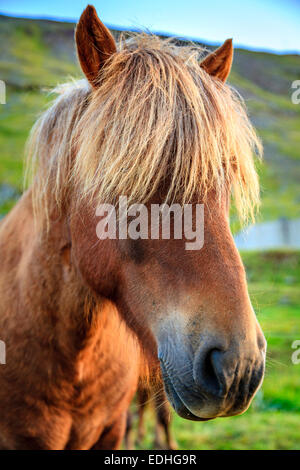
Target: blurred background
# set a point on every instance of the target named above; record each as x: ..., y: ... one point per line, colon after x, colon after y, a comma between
x: 37, y: 52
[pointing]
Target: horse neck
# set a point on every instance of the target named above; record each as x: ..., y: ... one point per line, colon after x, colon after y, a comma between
x: 48, y: 291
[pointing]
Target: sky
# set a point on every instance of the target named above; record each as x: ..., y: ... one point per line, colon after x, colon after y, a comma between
x: 272, y: 25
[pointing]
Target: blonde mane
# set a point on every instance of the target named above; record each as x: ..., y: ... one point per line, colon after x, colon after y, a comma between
x: 157, y: 118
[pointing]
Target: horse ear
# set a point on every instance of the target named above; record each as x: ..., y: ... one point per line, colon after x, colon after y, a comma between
x: 94, y: 42
x: 218, y: 63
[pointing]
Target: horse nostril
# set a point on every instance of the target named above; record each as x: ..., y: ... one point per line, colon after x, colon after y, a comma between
x: 210, y: 375
x: 256, y: 378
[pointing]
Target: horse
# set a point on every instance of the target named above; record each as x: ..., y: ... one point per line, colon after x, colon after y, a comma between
x: 80, y: 314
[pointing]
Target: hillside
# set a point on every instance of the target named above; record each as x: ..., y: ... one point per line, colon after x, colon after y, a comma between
x: 38, y: 54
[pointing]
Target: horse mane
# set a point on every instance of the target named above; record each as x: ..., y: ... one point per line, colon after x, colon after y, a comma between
x: 156, y: 118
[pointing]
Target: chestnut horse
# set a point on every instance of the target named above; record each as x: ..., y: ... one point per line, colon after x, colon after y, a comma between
x: 79, y: 315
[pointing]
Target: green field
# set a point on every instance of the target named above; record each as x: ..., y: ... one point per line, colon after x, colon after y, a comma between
x: 40, y: 54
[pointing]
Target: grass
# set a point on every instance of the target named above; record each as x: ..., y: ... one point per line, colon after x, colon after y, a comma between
x: 29, y: 66
x: 15, y: 124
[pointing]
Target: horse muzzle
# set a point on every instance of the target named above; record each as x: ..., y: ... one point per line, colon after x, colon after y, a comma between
x: 211, y: 382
